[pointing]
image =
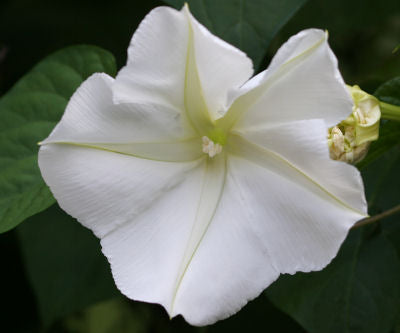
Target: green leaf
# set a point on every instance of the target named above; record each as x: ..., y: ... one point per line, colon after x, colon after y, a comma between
x: 382, y: 183
x: 249, y: 25
x: 259, y: 315
x: 64, y: 264
x: 389, y: 138
x: 121, y: 315
x: 358, y: 292
x: 381, y: 175
x: 389, y: 92
x: 28, y: 112
x: 116, y: 315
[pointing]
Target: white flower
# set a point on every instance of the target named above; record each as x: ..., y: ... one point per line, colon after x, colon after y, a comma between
x: 203, y: 186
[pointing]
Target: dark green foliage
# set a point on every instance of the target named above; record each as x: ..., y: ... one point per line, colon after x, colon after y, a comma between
x: 389, y: 92
x: 28, y: 112
x: 389, y: 138
x: 357, y: 292
x: 64, y: 264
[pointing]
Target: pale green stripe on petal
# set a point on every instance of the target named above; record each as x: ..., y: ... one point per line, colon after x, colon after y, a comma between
x: 243, y: 103
x: 195, y: 105
x: 176, y: 151
x: 213, y: 185
x: 278, y: 164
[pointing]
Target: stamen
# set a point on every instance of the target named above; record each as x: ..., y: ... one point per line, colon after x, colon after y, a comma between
x: 211, y: 148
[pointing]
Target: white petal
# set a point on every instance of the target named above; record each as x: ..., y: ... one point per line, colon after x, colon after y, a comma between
x: 105, y: 190
x: 151, y: 256
x: 146, y: 254
x: 265, y: 225
x: 196, y: 109
x: 157, y: 60
x: 232, y: 264
x: 155, y: 70
x: 301, y: 148
x: 177, y: 151
x: 91, y: 116
x: 221, y: 67
x: 301, y: 231
x: 149, y: 131
x: 274, y: 217
x: 211, y: 192
x: 302, y: 82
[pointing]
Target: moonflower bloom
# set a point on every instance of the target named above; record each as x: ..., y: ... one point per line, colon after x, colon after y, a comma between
x: 203, y: 185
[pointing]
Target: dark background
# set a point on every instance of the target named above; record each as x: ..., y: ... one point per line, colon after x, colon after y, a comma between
x: 363, y: 33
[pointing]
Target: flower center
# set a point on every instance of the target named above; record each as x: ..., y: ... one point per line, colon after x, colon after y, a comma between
x: 210, y: 147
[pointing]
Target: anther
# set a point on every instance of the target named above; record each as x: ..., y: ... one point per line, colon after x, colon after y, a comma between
x: 210, y: 147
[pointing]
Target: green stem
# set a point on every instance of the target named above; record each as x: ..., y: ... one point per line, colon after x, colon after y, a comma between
x: 390, y: 111
x: 372, y: 219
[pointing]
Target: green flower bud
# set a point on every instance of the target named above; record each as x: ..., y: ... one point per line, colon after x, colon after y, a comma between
x: 349, y: 141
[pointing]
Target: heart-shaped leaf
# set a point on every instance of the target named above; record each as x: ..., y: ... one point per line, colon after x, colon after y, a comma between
x: 358, y: 292
x: 28, y: 112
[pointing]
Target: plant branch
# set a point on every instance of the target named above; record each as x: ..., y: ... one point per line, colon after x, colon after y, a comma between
x: 372, y: 219
x: 389, y: 111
